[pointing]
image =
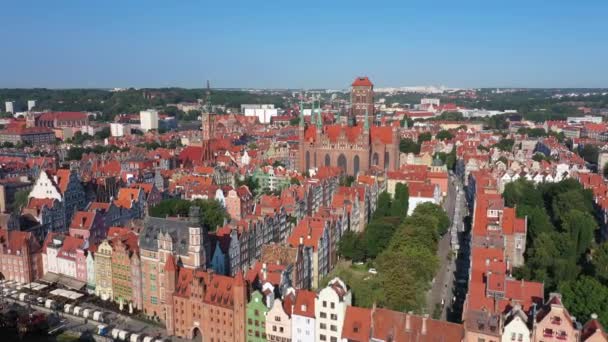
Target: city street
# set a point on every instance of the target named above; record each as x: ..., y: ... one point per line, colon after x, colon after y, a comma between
x: 441, y: 294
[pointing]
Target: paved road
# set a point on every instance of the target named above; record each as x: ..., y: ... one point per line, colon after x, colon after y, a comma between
x: 441, y: 292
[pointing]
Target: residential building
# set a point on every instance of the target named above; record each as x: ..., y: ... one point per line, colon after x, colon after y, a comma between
x: 20, y: 256
x: 554, y: 321
x: 103, y: 271
x: 256, y: 318
x: 27, y: 135
x: 278, y: 321
x: 303, y: 319
x: 148, y: 119
x: 330, y: 310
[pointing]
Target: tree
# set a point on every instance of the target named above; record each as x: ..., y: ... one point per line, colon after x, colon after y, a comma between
x: 584, y: 297
x: 538, y: 156
x: 426, y: 136
x: 252, y: 183
x: 505, y: 145
x: 433, y: 210
x: 383, y: 207
x: 402, y: 290
x: 294, y: 121
x: 21, y: 199
x: 444, y: 135
x: 600, y: 262
x: 522, y: 192
x: 538, y: 221
x: 570, y: 200
x: 400, y: 203
x: 377, y: 236
x: 589, y: 153
x: 351, y: 246
x: 408, y: 145
x: 581, y: 226
x: 212, y: 213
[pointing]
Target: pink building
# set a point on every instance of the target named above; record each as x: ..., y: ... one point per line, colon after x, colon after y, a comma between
x: 20, y: 258
x: 88, y: 225
x: 554, y: 321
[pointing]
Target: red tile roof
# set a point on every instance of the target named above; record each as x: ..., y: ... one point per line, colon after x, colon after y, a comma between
x: 362, y: 81
x: 357, y: 324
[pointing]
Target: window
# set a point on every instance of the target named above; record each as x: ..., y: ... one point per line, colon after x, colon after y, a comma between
x: 323, y: 326
x: 274, y: 328
x: 277, y: 318
x: 323, y: 315
x: 333, y: 328
x: 322, y: 337
x: 334, y: 317
x: 481, y: 340
x: 324, y: 304
x: 333, y: 305
x: 334, y: 339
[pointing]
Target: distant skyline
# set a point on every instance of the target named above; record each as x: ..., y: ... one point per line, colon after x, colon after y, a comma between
x: 316, y: 44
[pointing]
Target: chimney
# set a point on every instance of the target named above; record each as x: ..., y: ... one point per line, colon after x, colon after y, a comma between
x: 301, y: 240
x: 423, y: 329
x: 408, y: 324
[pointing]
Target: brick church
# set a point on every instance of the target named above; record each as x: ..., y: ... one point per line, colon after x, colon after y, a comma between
x: 355, y: 146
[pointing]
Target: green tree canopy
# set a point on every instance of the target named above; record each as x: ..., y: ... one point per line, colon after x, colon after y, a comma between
x: 444, y: 135
x: 436, y: 211
x: 400, y: 203
x: 584, y: 297
x: 212, y: 213
x: 600, y: 262
x: 383, y: 207
x: 408, y: 145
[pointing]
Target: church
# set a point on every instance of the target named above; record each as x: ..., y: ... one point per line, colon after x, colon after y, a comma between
x: 355, y: 146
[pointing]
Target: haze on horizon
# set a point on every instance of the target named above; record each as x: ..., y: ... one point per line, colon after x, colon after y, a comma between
x: 273, y: 44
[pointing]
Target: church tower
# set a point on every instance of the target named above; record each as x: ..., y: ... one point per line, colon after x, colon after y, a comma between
x: 362, y: 98
x: 207, y: 126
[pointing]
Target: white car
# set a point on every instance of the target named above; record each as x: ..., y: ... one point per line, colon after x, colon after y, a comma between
x: 372, y: 271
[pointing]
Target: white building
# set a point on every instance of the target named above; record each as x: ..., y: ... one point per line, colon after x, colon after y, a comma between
x: 584, y: 119
x: 422, y: 193
x: 303, y: 317
x: 264, y: 112
x: 148, y: 119
x: 10, y: 107
x: 30, y: 105
x: 430, y: 101
x: 516, y: 327
x: 119, y: 129
x: 330, y: 310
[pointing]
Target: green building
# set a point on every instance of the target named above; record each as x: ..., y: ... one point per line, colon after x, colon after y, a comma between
x: 256, y: 318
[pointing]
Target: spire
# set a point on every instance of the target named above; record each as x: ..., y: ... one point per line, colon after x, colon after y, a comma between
x: 319, y: 117
x: 366, y: 123
x: 301, y: 113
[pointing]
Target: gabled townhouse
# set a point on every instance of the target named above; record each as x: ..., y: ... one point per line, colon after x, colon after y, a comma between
x: 63, y: 186
x: 554, y: 321
x: 20, y: 256
x: 48, y: 215
x: 89, y: 226
x: 303, y: 319
x: 278, y: 320
x: 515, y: 326
x: 313, y: 234
x: 330, y: 310
x: 239, y: 202
x: 132, y: 203
x: 256, y: 318
x: 593, y: 331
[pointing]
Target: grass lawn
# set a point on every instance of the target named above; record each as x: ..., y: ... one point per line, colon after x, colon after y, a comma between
x: 364, y: 286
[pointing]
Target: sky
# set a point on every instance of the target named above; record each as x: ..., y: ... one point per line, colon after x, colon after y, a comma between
x: 303, y: 44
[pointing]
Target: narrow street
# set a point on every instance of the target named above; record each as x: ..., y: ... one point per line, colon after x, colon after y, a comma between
x: 440, y: 296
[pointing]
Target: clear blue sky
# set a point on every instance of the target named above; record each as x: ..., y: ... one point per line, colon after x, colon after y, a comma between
x: 265, y: 43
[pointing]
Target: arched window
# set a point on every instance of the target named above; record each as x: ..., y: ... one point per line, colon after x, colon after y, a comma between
x: 356, y: 165
x: 342, y: 162
x: 386, y: 160
x: 327, y: 160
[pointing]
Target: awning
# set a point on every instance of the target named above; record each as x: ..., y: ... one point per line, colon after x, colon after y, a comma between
x: 52, y: 278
